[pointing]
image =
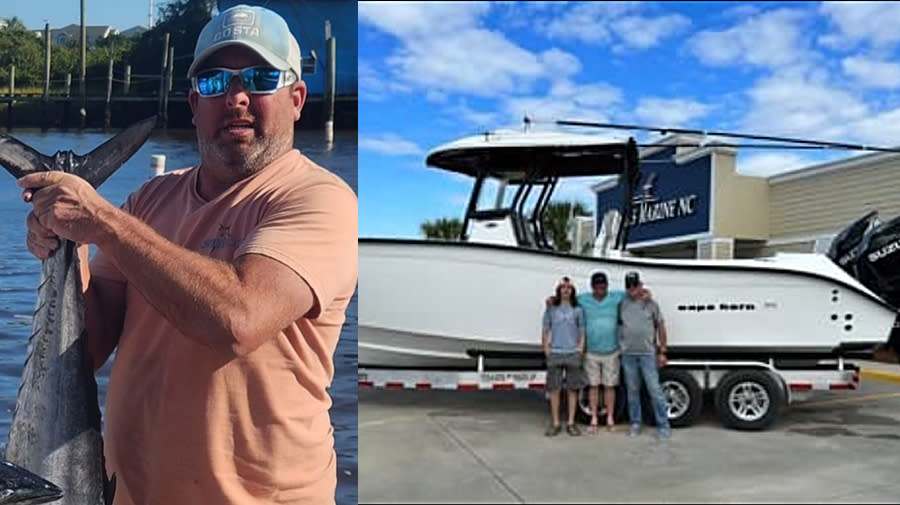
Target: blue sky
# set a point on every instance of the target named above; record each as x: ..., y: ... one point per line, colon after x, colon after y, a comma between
x: 430, y: 74
x: 120, y: 14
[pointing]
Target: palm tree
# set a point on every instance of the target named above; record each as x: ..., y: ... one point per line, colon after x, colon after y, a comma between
x: 442, y: 229
x: 557, y: 220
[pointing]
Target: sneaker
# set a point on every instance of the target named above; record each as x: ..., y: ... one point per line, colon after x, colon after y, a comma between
x: 552, y: 431
x: 634, y: 431
x: 572, y: 430
x: 663, y: 433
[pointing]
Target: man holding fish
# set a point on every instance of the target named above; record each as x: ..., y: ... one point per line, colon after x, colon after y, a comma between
x: 222, y: 288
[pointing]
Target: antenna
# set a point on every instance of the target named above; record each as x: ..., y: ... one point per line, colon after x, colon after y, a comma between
x: 803, y: 143
x: 150, y: 15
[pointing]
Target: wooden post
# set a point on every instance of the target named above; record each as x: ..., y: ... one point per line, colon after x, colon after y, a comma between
x: 12, y: 93
x: 46, y: 62
x: 83, y: 85
x: 163, y: 103
x: 107, y: 113
x: 45, y: 112
x: 170, y: 64
x: 126, y: 86
x: 330, y: 73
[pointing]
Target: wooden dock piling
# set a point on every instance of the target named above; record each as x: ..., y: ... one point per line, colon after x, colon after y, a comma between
x: 45, y: 107
x: 330, y: 78
x: 107, y: 111
x: 12, y: 93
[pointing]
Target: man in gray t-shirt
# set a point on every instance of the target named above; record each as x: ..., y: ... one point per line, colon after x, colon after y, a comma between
x: 642, y: 340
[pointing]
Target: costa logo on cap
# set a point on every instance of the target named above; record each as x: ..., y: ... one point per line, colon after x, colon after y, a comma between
x: 239, y: 17
x: 237, y: 24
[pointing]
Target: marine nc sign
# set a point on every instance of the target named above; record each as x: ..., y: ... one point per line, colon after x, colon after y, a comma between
x: 670, y: 200
x: 647, y: 207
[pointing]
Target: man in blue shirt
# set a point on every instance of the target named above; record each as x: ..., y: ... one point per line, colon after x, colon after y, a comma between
x: 601, y: 362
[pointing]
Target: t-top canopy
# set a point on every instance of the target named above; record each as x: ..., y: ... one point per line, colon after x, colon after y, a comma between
x: 526, y: 156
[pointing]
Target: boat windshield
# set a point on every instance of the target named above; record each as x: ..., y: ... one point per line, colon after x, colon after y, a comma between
x: 519, y: 206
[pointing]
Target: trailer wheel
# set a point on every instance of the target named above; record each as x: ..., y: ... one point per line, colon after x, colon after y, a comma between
x: 683, y: 394
x: 749, y: 399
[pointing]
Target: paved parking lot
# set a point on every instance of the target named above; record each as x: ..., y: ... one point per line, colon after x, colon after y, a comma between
x: 489, y: 447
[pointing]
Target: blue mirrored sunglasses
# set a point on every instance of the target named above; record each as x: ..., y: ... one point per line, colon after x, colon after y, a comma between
x: 256, y: 80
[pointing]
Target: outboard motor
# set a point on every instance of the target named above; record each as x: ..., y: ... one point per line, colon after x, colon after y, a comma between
x: 847, y: 245
x: 878, y: 263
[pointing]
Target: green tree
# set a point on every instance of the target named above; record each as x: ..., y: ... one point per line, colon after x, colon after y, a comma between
x: 442, y: 229
x: 64, y: 59
x: 115, y: 47
x: 557, y: 220
x: 22, y: 48
x: 182, y: 20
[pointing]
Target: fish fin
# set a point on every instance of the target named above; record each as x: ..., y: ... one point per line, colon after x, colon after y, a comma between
x: 96, y: 166
x: 109, y: 490
x: 19, y: 159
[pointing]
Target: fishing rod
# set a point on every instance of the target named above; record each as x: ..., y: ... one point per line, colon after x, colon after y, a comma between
x: 806, y: 143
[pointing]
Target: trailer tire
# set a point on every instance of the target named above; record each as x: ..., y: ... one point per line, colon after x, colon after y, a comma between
x: 749, y: 399
x: 683, y: 394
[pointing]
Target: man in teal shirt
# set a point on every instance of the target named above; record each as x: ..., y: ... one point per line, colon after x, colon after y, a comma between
x: 601, y: 362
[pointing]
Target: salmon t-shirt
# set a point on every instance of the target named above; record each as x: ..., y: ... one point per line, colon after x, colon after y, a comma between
x: 191, y: 424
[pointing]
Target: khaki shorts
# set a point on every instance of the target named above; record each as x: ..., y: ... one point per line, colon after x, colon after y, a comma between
x: 602, y: 369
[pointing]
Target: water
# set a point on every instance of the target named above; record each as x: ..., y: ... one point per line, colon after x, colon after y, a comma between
x: 20, y: 271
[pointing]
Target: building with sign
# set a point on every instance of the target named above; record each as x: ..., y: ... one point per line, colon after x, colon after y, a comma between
x: 692, y: 203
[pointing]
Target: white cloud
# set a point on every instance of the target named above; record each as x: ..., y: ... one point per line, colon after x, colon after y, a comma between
x: 568, y: 100
x: 741, y: 11
x: 770, y: 163
x: 642, y: 32
x: 374, y: 87
x: 414, y: 19
x: 809, y: 107
x: 802, y: 105
x: 444, y: 49
x: 872, y: 73
x: 389, y: 144
x: 612, y: 23
x: 473, y: 61
x: 559, y: 63
x: 770, y: 39
x: 874, y: 23
x: 881, y: 129
x: 670, y: 111
x: 471, y: 117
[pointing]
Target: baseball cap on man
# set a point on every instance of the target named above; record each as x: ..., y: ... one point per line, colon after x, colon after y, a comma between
x: 598, y: 278
x: 257, y: 28
x: 632, y: 279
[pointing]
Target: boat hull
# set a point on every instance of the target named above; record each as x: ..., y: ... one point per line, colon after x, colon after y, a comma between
x: 439, y: 304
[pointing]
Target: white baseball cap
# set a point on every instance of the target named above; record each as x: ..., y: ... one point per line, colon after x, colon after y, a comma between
x: 254, y: 27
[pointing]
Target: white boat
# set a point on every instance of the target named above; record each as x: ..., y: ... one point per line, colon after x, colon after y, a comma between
x: 429, y: 304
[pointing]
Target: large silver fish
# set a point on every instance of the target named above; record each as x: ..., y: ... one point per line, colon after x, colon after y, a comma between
x: 55, y: 429
x: 19, y: 486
